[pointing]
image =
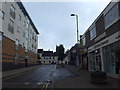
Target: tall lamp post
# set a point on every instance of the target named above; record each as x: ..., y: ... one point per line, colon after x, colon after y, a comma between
x: 77, y: 49
x: 77, y: 26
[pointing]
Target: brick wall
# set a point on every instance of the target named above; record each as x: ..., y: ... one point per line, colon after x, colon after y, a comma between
x: 8, y: 55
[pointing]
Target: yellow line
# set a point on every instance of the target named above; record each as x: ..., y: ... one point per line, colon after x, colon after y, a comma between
x: 9, y: 77
x: 46, y: 85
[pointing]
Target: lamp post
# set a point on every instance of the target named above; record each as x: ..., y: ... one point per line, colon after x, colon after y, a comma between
x: 77, y: 26
x: 77, y: 49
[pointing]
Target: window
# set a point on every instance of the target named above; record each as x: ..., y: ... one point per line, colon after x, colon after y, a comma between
x: 19, y: 17
x: 27, y: 25
x: 35, y: 38
x: 23, y: 44
x: 24, y: 23
x: 92, y: 33
x: 0, y: 39
x: 23, y: 34
x: 17, y: 44
x: 111, y: 16
x: 12, y: 8
x: 1, y: 14
x: 18, y: 29
x: 12, y: 11
x: 11, y: 26
x: 83, y: 40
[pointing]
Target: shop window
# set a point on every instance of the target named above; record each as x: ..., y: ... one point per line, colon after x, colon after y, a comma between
x: 110, y: 58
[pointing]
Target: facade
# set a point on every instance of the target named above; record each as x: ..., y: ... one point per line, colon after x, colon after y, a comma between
x: 18, y: 36
x: 47, y: 57
x: 66, y: 60
x: 74, y: 55
x: 101, y: 41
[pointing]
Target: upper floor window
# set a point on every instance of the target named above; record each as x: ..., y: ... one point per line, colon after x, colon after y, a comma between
x: 12, y: 8
x: 1, y: 14
x: 0, y: 39
x: 83, y: 40
x: 12, y: 11
x: 24, y: 23
x: 111, y: 16
x: 19, y: 17
x: 17, y: 44
x: 92, y: 33
x: 11, y: 26
x: 23, y: 34
x: 18, y: 29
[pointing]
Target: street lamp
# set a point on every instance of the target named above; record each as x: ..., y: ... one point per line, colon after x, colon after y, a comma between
x: 77, y: 51
x: 77, y: 26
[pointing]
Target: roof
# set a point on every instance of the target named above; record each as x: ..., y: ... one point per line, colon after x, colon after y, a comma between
x: 49, y: 53
x: 40, y: 50
x: 26, y: 14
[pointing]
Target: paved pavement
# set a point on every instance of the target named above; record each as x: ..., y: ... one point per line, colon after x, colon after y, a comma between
x: 82, y: 80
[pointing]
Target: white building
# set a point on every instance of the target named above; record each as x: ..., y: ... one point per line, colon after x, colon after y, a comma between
x: 47, y: 57
x: 18, y: 35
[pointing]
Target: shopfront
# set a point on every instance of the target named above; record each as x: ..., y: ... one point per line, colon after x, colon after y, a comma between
x: 105, y: 55
x: 110, y: 58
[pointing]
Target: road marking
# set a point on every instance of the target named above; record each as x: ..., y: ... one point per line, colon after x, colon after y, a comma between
x: 26, y: 83
x: 9, y: 77
x: 44, y: 85
x: 47, y: 85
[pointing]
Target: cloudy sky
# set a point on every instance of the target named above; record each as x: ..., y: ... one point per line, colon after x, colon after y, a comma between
x: 55, y: 24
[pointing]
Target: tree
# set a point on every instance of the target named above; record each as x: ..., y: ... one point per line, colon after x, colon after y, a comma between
x: 60, y: 52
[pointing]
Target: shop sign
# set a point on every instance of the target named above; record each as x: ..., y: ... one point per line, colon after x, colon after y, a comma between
x: 100, y: 37
x: 102, y: 43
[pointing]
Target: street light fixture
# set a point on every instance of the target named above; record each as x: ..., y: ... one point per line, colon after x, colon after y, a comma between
x: 77, y: 51
x: 77, y: 26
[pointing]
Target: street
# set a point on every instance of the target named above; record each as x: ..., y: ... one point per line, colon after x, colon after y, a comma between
x: 42, y: 77
x: 55, y: 76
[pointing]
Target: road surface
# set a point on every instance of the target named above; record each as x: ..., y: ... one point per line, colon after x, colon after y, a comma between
x: 42, y: 77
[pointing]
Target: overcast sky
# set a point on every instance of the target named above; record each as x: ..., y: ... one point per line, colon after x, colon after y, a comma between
x: 55, y: 24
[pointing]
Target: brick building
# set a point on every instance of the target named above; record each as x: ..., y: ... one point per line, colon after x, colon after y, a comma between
x: 101, y: 41
x: 18, y: 36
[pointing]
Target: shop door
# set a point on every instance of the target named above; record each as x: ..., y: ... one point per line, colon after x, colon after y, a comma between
x: 98, y: 62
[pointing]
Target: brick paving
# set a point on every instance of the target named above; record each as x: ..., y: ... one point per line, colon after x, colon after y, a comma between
x: 82, y: 80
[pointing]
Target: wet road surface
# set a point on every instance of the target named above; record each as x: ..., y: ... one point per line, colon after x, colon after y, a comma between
x: 42, y: 77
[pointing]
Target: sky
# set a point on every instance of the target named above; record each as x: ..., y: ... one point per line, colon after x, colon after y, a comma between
x: 56, y: 26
